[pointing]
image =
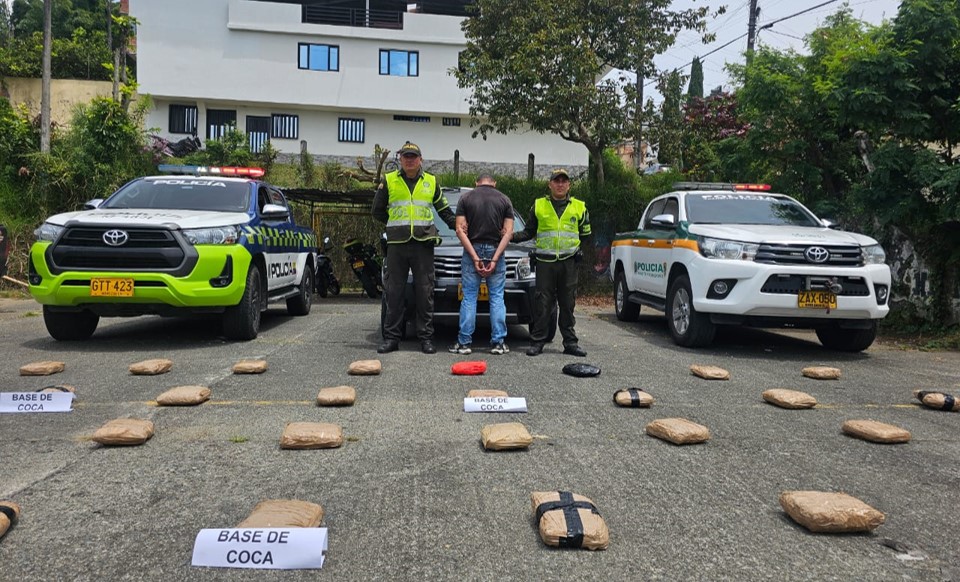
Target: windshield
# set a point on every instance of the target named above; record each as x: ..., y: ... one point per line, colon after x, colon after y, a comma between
x: 183, y: 193
x: 747, y: 209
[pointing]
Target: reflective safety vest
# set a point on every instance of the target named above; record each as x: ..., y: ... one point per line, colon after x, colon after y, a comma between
x: 558, y: 237
x: 410, y: 215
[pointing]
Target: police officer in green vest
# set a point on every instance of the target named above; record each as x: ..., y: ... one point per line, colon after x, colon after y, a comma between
x: 559, y: 223
x: 405, y: 201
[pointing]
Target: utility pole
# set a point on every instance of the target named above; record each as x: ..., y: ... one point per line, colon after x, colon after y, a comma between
x: 45, y: 77
x: 752, y: 27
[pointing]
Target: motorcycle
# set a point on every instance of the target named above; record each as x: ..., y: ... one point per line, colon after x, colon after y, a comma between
x: 325, y: 281
x: 366, y: 266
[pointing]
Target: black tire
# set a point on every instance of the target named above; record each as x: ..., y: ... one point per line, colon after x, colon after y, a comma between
x: 688, y: 327
x: 334, y: 287
x: 301, y: 303
x: 322, y: 283
x: 848, y: 340
x: 370, y: 286
x: 242, y: 321
x: 66, y: 326
x: 626, y: 309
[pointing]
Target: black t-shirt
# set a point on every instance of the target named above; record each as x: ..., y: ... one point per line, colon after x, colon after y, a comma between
x: 485, y: 209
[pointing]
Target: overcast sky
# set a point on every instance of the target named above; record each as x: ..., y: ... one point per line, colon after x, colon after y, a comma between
x: 783, y: 35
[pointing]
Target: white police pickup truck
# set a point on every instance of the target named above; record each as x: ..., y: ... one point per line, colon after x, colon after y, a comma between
x: 198, y: 240
x: 710, y: 254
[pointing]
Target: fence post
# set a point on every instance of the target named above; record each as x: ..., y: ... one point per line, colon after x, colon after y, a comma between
x: 530, y: 159
x: 456, y: 166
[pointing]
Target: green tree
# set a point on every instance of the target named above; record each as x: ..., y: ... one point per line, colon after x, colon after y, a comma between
x: 538, y: 64
x: 695, y: 88
x: 668, y: 126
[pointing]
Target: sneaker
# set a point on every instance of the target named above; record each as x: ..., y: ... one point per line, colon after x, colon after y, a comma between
x: 388, y: 346
x: 459, y: 348
x: 535, y: 349
x: 575, y: 350
x: 426, y: 346
x: 499, y: 348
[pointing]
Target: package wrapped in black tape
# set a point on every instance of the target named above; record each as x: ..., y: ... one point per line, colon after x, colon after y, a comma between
x: 581, y: 370
x: 938, y: 400
x: 568, y: 520
x: 632, y: 398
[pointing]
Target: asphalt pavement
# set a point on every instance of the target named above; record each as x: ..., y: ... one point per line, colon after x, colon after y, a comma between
x: 412, y: 495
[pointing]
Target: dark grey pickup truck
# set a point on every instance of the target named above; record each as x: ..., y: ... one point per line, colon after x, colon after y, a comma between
x: 518, y: 294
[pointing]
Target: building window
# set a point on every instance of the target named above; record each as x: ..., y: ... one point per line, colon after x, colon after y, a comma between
x: 285, y: 126
x: 351, y: 130
x: 399, y: 63
x: 183, y: 119
x: 258, y: 132
x: 451, y: 122
x: 319, y: 57
x: 219, y: 121
x: 414, y: 118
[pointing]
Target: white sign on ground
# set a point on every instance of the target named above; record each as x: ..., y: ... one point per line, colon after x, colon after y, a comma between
x: 495, y: 404
x: 273, y: 548
x: 36, y: 401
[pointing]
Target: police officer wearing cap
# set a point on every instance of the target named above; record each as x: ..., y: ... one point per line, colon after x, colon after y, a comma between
x: 404, y: 201
x: 559, y: 223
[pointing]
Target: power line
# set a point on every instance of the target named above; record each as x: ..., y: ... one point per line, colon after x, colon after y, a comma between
x: 772, y: 22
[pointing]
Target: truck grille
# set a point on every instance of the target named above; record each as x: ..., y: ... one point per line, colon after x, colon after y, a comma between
x: 83, y: 248
x: 793, y: 284
x: 449, y: 267
x: 839, y: 256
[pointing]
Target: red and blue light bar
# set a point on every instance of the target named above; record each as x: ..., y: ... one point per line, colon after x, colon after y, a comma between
x: 233, y: 171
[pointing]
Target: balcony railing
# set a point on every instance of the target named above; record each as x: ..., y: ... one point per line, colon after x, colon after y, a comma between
x: 352, y: 17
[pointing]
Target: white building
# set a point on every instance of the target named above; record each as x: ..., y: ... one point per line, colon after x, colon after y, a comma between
x: 342, y: 75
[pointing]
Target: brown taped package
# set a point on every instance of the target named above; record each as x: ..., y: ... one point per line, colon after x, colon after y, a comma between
x: 365, y: 368
x: 250, y: 367
x: 678, y: 431
x: 337, y: 396
x: 793, y: 399
x: 709, y: 372
x: 487, y: 394
x: 184, y: 396
x: 311, y: 435
x: 151, y: 367
x: 124, y: 432
x: 821, y: 372
x: 585, y: 528
x: 825, y: 512
x: 9, y: 514
x: 877, y: 432
x: 284, y: 513
x: 59, y: 388
x: 44, y: 368
x: 938, y: 400
x: 632, y: 398
x: 505, y: 436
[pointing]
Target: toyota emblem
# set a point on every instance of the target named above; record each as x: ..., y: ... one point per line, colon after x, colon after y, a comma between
x: 816, y: 254
x: 115, y: 238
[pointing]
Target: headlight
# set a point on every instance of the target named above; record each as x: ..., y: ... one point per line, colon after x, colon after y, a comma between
x: 47, y: 231
x: 714, y: 248
x: 523, y: 268
x: 223, y: 235
x: 873, y: 255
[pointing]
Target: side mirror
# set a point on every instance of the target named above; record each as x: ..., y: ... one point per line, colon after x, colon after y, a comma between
x: 274, y: 212
x: 327, y: 245
x: 667, y: 220
x: 829, y: 223
x: 92, y: 204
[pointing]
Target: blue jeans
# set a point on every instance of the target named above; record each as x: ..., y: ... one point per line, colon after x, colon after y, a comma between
x: 471, y: 288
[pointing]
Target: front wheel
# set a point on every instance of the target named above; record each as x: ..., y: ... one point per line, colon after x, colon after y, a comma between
x: 334, y: 287
x: 300, y: 303
x: 321, y: 283
x: 848, y: 340
x: 625, y: 309
x: 370, y: 286
x: 242, y: 321
x: 70, y: 325
x: 688, y: 327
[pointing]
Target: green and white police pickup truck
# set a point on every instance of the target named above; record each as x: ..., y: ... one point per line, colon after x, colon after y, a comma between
x: 710, y: 254
x: 198, y: 240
